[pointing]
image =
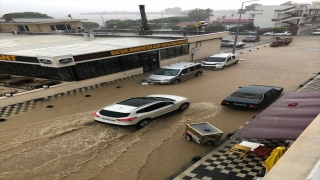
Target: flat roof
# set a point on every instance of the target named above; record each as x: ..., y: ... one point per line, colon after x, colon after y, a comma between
x: 53, y: 45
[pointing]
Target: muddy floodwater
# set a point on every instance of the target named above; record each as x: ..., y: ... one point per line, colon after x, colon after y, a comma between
x: 64, y: 142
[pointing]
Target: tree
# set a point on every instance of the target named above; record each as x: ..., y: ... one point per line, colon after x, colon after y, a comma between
x: 248, y: 26
x: 90, y: 24
x: 27, y: 15
x: 278, y: 29
x: 252, y: 7
x: 234, y: 29
x: 200, y: 14
x: 117, y: 22
x: 215, y: 28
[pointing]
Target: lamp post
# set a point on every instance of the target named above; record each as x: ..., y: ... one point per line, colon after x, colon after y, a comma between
x: 102, y: 18
x: 235, y: 40
x: 162, y: 18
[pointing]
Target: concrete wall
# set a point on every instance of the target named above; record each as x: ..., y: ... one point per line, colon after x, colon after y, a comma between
x: 264, y: 20
x: 8, y: 27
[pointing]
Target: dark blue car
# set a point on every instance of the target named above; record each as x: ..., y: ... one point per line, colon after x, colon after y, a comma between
x: 252, y: 97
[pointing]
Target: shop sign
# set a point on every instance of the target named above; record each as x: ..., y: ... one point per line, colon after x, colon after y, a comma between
x: 45, y: 61
x: 65, y: 60
x: 148, y: 47
x: 7, y: 57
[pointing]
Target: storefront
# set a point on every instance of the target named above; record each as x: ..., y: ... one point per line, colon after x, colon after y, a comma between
x: 79, y: 67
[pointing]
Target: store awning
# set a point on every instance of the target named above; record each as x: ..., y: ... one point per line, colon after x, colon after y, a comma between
x: 286, y: 118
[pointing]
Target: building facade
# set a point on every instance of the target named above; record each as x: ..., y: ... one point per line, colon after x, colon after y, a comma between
x: 112, y: 57
x: 302, y: 17
x: 41, y: 25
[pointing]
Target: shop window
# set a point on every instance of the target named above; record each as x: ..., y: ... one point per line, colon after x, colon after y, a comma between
x: 30, y: 70
x: 164, y: 53
x: 130, y: 62
x: 26, y: 28
x: 61, y: 27
x: 185, y: 49
x: 112, y: 65
x: 64, y: 74
x: 100, y: 67
x: 68, y: 26
x: 79, y: 71
x: 52, y: 27
x: 177, y: 50
x: 7, y: 68
x: 21, y: 28
x: 171, y: 52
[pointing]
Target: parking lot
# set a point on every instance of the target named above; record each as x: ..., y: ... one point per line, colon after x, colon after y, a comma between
x: 64, y: 142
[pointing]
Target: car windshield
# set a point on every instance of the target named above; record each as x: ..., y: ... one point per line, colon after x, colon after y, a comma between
x: 114, y: 114
x: 167, y: 72
x: 247, y: 95
x: 215, y: 59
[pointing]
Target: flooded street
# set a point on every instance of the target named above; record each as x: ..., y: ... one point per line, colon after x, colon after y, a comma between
x: 64, y: 142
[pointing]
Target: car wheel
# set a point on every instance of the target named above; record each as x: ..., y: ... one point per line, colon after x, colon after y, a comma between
x: 184, y: 106
x: 283, y: 35
x: 143, y: 123
x: 187, y: 136
x: 199, y: 74
x: 211, y: 143
x: 223, y: 67
x: 176, y: 81
x: 236, y: 62
x: 267, y: 35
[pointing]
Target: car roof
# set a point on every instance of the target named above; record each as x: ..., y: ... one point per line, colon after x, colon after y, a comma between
x: 255, y: 89
x: 251, y: 36
x: 137, y: 101
x: 180, y: 65
x: 222, y: 55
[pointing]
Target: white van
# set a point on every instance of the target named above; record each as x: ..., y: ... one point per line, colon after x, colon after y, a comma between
x: 220, y: 61
x: 316, y: 32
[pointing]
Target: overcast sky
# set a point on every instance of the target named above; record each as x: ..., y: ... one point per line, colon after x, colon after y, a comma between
x: 60, y: 8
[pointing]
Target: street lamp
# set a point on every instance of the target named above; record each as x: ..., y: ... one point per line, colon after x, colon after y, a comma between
x: 235, y: 40
x: 162, y: 18
x: 102, y: 18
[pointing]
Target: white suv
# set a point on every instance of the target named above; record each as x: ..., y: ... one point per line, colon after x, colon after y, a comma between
x: 220, y: 61
x: 316, y: 32
x: 140, y: 110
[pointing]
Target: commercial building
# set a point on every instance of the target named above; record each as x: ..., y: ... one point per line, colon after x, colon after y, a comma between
x: 74, y: 58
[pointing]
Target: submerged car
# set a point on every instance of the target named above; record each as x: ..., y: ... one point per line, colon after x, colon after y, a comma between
x: 140, y: 110
x: 252, y: 97
x: 220, y: 61
x: 251, y: 39
x: 230, y: 43
x: 286, y: 33
x: 175, y: 73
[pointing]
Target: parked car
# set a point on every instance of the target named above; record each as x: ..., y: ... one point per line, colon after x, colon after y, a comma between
x: 316, y: 32
x: 175, y: 73
x: 230, y: 43
x: 246, y: 32
x: 220, y: 61
x: 140, y: 110
x: 252, y: 97
x: 286, y: 33
x: 251, y: 39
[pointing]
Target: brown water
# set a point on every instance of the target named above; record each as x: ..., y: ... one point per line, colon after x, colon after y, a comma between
x: 63, y: 142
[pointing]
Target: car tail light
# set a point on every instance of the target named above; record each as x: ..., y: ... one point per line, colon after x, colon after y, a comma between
x: 126, y: 119
x: 223, y: 102
x: 95, y: 114
x: 253, y: 106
